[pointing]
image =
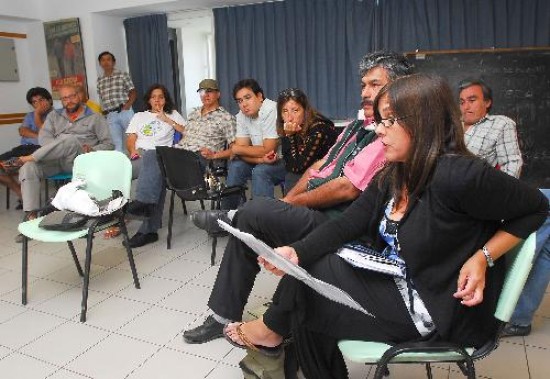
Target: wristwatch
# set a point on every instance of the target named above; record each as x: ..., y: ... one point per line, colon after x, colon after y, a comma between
x: 488, y: 258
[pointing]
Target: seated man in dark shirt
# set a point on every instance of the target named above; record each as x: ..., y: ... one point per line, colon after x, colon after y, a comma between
x: 41, y: 100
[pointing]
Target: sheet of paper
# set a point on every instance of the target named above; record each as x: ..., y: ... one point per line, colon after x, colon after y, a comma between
x: 328, y: 290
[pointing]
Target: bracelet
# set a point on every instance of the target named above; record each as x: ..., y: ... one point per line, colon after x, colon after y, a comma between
x: 488, y: 258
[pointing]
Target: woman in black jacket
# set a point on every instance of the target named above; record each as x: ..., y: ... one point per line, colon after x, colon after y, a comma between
x: 306, y: 135
x: 444, y: 216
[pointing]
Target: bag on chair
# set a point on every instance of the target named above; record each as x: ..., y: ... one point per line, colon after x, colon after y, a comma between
x: 64, y: 221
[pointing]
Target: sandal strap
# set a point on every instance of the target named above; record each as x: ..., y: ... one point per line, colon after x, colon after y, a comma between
x: 244, y: 339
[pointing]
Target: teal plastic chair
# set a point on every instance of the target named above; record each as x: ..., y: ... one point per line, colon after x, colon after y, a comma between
x: 381, y: 354
x: 103, y: 171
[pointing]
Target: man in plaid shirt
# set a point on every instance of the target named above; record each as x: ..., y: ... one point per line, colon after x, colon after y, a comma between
x: 493, y: 138
x: 209, y: 132
x: 117, y: 94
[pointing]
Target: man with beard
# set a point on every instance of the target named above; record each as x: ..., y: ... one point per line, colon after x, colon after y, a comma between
x: 66, y: 133
x: 324, y: 191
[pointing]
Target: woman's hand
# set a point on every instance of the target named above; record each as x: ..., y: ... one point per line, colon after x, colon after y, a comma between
x: 291, y: 128
x: 285, y: 251
x: 471, y: 280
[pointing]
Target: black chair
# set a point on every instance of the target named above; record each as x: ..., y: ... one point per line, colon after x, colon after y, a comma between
x: 185, y: 177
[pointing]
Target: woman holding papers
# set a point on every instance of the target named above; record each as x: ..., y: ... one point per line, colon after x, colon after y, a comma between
x: 443, y: 215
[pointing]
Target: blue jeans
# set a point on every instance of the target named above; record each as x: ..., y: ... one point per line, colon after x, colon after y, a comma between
x: 118, y: 122
x: 264, y: 179
x: 149, y: 188
x: 538, y: 279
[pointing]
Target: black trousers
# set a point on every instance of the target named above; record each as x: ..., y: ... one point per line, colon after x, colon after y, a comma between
x: 19, y: 151
x: 317, y: 324
x: 274, y: 222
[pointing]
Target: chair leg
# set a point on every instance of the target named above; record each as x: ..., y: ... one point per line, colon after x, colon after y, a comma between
x: 213, y: 255
x: 468, y: 369
x: 46, y: 190
x: 381, y: 371
x: 24, y: 269
x: 170, y: 221
x: 202, y: 205
x: 429, y: 370
x: 8, y: 197
x: 124, y: 232
x: 75, y: 258
x: 86, y: 281
x: 184, y: 207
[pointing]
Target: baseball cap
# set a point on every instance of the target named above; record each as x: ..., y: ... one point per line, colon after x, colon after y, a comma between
x: 208, y: 84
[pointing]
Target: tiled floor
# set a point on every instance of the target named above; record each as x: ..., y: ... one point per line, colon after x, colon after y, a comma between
x: 135, y: 334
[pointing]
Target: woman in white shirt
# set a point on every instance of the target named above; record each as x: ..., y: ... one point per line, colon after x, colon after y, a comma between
x: 148, y: 129
x: 156, y: 125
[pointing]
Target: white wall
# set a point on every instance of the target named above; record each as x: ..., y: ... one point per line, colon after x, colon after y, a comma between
x: 196, y: 45
x: 101, y: 33
x: 33, y: 72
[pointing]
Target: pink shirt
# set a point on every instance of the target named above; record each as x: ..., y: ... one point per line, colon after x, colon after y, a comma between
x: 361, y: 169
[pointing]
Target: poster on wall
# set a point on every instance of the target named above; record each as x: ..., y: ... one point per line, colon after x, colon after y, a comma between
x: 65, y: 54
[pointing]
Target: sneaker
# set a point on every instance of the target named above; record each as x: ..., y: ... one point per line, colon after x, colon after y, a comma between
x: 513, y: 330
x: 11, y: 165
x: 139, y: 209
x: 208, y: 221
x: 208, y: 331
x: 142, y: 239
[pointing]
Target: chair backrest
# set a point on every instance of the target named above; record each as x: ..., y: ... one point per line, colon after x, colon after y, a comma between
x: 520, y: 260
x: 103, y: 172
x: 182, y: 172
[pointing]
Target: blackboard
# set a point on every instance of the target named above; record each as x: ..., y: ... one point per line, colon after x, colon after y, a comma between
x: 520, y: 80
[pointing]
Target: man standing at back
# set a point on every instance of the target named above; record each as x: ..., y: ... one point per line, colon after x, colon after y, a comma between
x: 256, y: 139
x: 493, y: 138
x: 117, y: 94
x: 324, y: 191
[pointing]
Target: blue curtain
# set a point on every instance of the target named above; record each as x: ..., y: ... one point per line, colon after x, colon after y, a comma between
x: 407, y: 25
x: 314, y: 45
x: 148, y: 53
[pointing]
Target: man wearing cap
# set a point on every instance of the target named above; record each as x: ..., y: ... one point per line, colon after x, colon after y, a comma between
x: 209, y: 132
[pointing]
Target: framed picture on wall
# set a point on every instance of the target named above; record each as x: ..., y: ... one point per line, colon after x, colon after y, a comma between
x: 65, y: 54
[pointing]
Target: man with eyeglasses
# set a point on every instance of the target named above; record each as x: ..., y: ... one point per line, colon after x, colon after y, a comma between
x: 491, y: 137
x: 324, y: 191
x: 41, y: 101
x: 66, y: 133
x: 254, y: 155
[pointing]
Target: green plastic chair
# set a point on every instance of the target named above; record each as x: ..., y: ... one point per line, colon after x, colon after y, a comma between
x: 381, y: 354
x: 103, y: 171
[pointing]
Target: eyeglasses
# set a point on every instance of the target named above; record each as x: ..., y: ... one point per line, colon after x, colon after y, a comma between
x: 388, y: 122
x: 69, y: 97
x: 244, y: 98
